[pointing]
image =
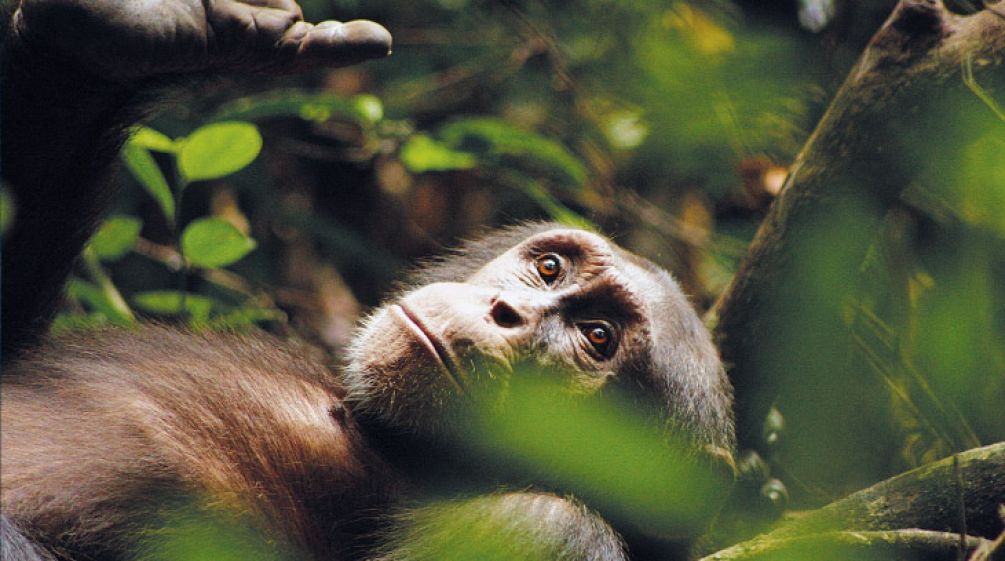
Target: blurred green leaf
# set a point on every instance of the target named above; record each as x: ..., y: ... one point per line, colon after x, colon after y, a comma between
x: 199, y: 534
x: 116, y: 237
x: 7, y: 210
x: 368, y: 108
x: 213, y: 243
x: 152, y: 140
x: 555, y: 209
x: 218, y: 149
x: 97, y: 300
x: 496, y: 138
x: 242, y: 317
x: 421, y: 154
x: 172, y: 302
x: 309, y: 105
x: 601, y: 449
x: 143, y: 167
x: 979, y: 191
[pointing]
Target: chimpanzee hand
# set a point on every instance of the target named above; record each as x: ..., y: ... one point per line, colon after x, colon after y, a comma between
x: 127, y: 40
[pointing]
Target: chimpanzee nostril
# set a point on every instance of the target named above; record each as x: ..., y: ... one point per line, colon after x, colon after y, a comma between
x: 504, y: 315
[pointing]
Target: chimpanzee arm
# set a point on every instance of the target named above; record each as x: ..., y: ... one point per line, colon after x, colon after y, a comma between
x: 519, y: 525
x: 77, y: 74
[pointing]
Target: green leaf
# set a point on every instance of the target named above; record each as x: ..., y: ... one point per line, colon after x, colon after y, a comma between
x: 116, y: 237
x: 143, y: 167
x: 173, y: 302
x: 364, y: 110
x: 421, y: 154
x: 494, y: 137
x: 218, y: 149
x: 95, y: 299
x: 241, y: 317
x: 368, y: 108
x: 7, y: 210
x: 152, y: 140
x: 211, y: 243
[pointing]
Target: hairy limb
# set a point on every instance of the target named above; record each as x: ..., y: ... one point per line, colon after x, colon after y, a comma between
x: 524, y: 525
x: 15, y: 546
x: 78, y: 73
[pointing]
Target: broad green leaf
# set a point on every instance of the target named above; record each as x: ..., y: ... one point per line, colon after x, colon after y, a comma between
x: 143, y: 167
x: 96, y: 300
x: 362, y: 109
x: 218, y: 149
x: 172, y: 302
x: 495, y: 137
x: 213, y: 243
x: 116, y: 237
x: 152, y: 140
x: 421, y: 154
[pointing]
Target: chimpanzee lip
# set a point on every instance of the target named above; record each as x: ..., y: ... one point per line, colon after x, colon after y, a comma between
x: 433, y: 343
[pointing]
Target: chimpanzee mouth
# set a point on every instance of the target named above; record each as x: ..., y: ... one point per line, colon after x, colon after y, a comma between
x: 432, y: 342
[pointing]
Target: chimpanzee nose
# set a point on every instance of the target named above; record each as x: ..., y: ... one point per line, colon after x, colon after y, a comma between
x: 505, y: 315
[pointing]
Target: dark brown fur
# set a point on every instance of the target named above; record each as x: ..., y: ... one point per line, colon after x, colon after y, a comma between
x: 101, y: 431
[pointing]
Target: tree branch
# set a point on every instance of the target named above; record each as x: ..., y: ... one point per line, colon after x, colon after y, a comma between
x: 855, y: 152
x: 915, y: 514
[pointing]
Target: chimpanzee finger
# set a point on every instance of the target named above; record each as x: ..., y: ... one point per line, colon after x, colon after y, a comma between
x: 333, y: 43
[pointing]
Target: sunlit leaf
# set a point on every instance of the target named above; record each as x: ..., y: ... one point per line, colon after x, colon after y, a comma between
x: 212, y: 243
x: 142, y: 166
x: 421, y: 154
x: 172, y: 302
x: 152, y: 140
x: 218, y: 149
x: 116, y: 237
x: 368, y: 107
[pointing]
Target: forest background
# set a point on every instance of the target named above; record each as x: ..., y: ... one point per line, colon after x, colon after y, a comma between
x: 296, y: 202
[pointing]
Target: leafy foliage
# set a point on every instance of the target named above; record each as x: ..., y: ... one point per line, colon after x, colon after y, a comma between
x: 670, y: 124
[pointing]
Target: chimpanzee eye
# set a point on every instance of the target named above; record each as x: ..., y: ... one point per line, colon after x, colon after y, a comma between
x: 600, y: 336
x: 549, y: 266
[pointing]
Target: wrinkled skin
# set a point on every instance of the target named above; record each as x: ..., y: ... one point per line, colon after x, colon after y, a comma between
x: 460, y: 331
x: 124, y: 41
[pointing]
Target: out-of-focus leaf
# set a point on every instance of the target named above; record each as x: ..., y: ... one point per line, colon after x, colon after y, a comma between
x: 172, y: 302
x: 421, y: 154
x: 361, y: 109
x: 602, y: 450
x: 552, y: 206
x: 66, y: 322
x: 142, y: 166
x: 495, y: 138
x: 980, y: 189
x: 96, y: 300
x: 152, y: 140
x: 7, y: 210
x: 197, y: 534
x: 246, y: 316
x: 368, y: 107
x: 116, y: 237
x: 218, y: 149
x: 213, y: 243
